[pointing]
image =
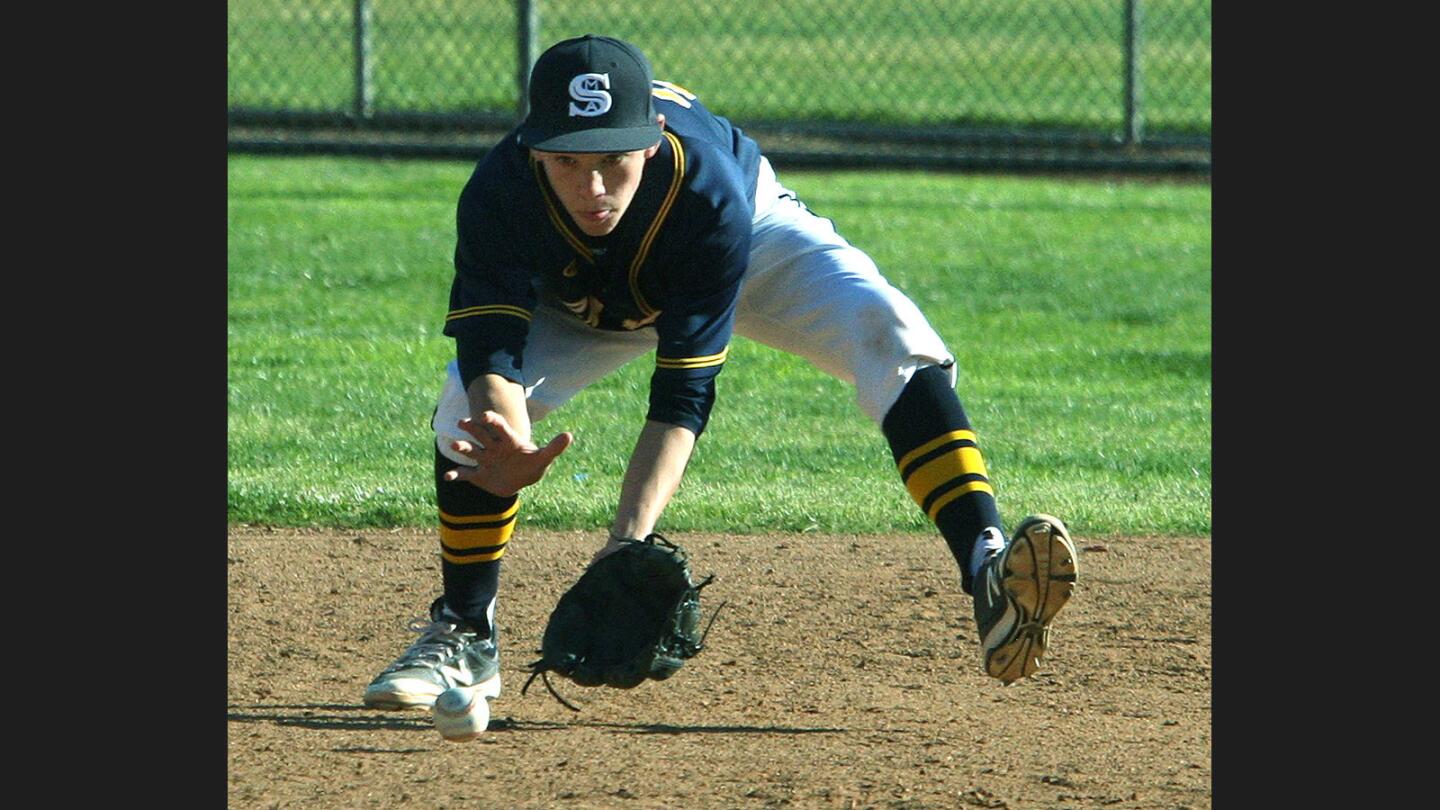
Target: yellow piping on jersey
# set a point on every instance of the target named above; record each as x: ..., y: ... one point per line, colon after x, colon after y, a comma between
x: 491, y: 309
x: 670, y: 95
x: 673, y: 87
x: 679, y: 153
x: 671, y: 91
x: 692, y: 362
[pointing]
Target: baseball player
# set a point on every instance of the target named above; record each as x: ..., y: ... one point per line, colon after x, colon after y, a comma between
x: 623, y: 217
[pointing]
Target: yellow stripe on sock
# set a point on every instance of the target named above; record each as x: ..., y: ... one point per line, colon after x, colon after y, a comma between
x: 475, y: 532
x: 942, y: 469
x: 469, y: 559
x: 953, y: 435
x: 453, y: 540
x: 508, y: 513
x: 973, y: 486
x: 463, y: 539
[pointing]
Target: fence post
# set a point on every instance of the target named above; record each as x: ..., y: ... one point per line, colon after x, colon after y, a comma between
x: 364, y: 66
x: 1133, y: 116
x: 527, y: 33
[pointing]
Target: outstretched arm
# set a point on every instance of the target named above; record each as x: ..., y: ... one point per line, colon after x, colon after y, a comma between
x: 651, y: 479
x: 506, y: 459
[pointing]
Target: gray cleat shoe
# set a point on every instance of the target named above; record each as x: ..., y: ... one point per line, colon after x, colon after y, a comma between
x: 1019, y: 590
x: 447, y: 654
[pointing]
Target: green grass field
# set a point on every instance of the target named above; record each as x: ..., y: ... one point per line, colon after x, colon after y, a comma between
x: 1080, y: 311
x: 974, y: 62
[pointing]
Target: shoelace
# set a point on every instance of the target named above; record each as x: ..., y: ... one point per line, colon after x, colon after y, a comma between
x: 438, y: 641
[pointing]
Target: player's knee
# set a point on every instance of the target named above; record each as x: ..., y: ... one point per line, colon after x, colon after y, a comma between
x: 879, y: 332
x: 889, y: 330
x: 889, y: 348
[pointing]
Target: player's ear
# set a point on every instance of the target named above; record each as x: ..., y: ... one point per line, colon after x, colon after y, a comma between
x: 659, y: 119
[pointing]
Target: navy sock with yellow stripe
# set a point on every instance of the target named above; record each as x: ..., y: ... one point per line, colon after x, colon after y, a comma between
x: 475, y: 527
x: 936, y: 453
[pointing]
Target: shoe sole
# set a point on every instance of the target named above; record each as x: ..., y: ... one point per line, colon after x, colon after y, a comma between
x: 1039, y: 578
x: 393, y: 699
x: 398, y: 701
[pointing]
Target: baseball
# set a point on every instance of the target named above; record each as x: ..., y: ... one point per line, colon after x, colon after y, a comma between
x: 461, y: 714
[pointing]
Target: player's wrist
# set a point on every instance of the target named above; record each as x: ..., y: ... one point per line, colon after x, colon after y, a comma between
x: 502, y: 492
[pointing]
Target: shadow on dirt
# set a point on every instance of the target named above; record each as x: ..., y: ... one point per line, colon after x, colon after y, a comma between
x: 357, y: 718
x: 665, y: 728
x: 342, y: 717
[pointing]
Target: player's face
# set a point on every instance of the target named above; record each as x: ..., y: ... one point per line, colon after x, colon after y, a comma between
x: 596, y: 189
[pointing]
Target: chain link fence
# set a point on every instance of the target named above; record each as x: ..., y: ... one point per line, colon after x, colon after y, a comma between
x: 1008, y: 84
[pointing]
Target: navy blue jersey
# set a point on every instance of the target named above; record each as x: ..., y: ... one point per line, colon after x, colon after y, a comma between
x: 673, y: 262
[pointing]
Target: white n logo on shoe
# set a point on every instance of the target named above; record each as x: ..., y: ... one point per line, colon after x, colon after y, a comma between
x: 992, y: 582
x: 457, y: 673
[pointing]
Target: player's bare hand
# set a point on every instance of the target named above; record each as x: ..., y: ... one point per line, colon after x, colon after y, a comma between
x: 505, y: 463
x: 611, y: 546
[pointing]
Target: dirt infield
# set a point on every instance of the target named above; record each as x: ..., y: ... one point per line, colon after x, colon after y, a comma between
x: 843, y: 673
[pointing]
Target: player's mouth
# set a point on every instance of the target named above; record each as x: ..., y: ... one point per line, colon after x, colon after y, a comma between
x: 595, y: 223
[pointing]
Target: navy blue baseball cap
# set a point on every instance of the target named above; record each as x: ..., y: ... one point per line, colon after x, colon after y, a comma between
x: 590, y: 94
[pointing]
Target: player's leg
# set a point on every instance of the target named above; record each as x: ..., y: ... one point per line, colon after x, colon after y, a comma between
x: 811, y: 293
x: 562, y: 357
x: 458, y: 645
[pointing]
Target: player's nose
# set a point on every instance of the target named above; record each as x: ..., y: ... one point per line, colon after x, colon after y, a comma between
x: 594, y: 184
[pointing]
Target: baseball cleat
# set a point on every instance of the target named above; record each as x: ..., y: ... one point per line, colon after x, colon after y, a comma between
x: 1019, y: 590
x: 447, y: 655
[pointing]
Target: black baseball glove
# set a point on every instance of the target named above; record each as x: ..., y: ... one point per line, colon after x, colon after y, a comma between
x: 633, y: 615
